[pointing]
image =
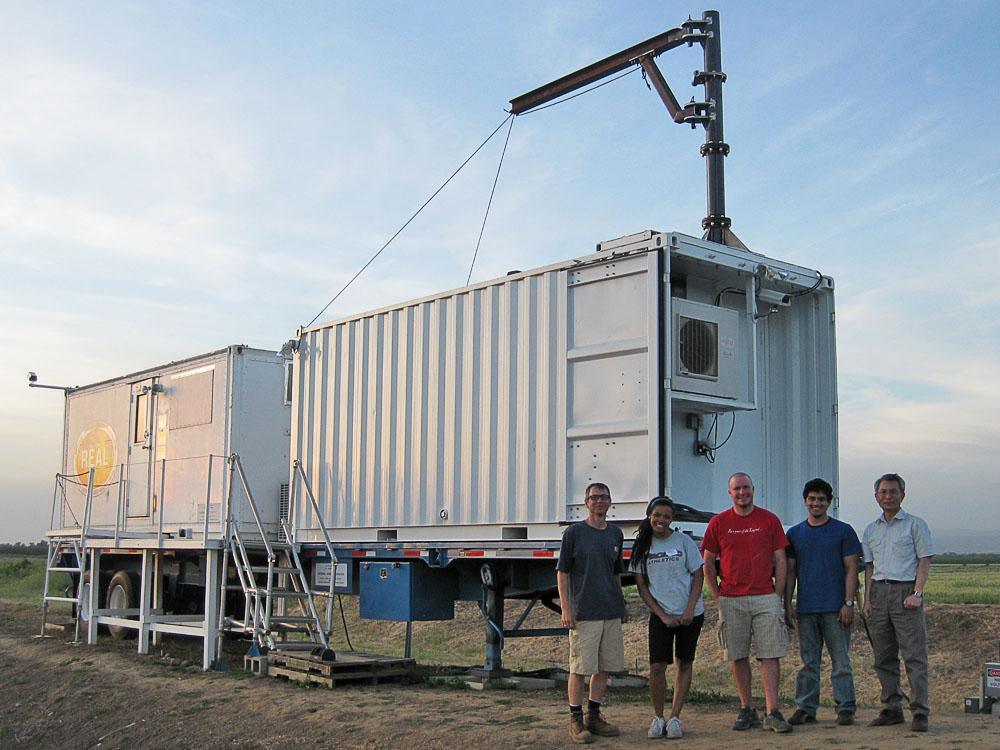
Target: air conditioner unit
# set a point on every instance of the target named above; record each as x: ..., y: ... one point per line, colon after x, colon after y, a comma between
x: 705, y: 349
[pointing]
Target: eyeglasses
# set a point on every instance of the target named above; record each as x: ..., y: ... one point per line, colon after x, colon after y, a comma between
x: 599, y: 497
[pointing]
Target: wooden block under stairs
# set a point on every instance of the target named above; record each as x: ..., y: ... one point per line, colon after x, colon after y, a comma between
x: 347, y: 667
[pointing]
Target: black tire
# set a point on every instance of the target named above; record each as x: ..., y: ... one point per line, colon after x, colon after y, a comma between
x: 123, y: 594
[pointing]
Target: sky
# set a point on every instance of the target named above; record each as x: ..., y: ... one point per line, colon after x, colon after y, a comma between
x: 179, y: 176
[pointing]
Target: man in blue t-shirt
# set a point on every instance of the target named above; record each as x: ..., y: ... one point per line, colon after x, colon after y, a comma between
x: 823, y: 556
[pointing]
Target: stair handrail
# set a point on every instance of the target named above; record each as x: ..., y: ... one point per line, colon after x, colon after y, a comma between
x: 301, y: 472
x: 85, y: 526
x: 235, y: 463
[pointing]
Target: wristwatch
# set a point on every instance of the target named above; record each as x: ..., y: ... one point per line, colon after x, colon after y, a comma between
x: 848, y: 602
x: 919, y: 593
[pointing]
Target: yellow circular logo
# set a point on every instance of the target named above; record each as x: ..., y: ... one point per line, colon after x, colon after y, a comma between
x: 96, y: 449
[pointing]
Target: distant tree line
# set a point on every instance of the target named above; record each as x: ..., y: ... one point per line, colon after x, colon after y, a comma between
x: 971, y: 558
x: 20, y: 548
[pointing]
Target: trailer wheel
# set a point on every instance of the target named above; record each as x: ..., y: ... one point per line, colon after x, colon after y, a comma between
x: 122, y: 595
x: 83, y: 608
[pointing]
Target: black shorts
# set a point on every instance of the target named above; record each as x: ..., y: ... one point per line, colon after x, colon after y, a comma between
x: 661, y: 640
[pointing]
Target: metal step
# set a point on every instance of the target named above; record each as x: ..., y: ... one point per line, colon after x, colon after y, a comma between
x: 290, y: 619
x: 289, y: 594
x: 237, y: 587
x: 61, y: 569
x: 297, y: 646
x: 260, y: 547
x: 277, y: 570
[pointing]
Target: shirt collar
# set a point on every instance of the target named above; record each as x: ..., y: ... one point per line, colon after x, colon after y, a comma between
x: 898, y: 517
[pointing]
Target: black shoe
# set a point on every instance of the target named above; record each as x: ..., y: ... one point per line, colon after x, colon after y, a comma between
x: 845, y: 718
x: 919, y: 723
x: 748, y: 718
x: 887, y: 717
x: 801, y: 717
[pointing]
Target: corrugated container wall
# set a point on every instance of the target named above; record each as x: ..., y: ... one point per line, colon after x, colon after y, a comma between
x: 440, y: 412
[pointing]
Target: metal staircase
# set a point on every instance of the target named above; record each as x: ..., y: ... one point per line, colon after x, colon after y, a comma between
x: 72, y: 549
x: 279, y: 610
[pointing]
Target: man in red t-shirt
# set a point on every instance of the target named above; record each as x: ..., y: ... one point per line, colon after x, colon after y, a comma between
x: 750, y: 545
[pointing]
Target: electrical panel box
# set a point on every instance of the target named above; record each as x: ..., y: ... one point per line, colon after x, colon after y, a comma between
x: 991, y: 681
x: 407, y: 592
x: 344, y: 577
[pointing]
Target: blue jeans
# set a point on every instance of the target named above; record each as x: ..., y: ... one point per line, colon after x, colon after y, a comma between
x: 814, y: 630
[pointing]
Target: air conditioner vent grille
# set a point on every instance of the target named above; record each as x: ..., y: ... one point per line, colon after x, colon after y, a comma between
x: 698, y: 347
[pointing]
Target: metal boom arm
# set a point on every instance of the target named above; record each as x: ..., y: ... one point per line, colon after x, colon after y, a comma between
x: 708, y: 113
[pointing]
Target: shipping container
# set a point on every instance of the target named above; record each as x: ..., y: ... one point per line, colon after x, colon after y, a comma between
x: 660, y: 364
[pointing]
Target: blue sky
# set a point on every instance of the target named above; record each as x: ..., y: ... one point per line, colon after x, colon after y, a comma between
x: 176, y: 177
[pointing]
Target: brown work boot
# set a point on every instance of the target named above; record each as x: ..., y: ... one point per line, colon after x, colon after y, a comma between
x: 801, y: 717
x: 577, y: 730
x: 919, y: 723
x: 887, y: 717
x: 845, y: 718
x: 597, y: 725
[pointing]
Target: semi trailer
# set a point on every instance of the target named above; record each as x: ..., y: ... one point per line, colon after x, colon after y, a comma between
x: 434, y: 450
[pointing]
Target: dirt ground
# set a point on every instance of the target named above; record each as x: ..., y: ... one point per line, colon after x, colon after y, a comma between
x: 56, y: 694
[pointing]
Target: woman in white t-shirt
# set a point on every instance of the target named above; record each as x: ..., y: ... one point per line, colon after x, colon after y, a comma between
x: 668, y: 573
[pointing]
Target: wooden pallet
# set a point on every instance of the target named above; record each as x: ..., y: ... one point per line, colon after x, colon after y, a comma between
x: 348, y: 667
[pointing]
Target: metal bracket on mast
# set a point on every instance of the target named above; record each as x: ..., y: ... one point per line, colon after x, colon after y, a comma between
x: 708, y: 113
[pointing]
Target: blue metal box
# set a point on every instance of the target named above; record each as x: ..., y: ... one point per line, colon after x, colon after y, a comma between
x: 407, y: 591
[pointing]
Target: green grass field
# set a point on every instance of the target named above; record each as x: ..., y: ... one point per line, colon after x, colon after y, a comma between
x: 22, y: 579
x: 964, y: 584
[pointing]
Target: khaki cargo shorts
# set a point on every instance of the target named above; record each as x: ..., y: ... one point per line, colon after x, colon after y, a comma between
x: 759, y: 617
x: 596, y: 646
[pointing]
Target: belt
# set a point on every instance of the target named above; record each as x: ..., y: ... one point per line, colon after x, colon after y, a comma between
x: 900, y: 583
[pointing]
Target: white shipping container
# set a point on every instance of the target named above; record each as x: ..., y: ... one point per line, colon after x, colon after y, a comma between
x: 482, y: 413
x: 158, y: 442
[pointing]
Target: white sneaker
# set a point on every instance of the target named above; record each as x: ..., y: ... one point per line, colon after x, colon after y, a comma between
x: 674, y: 729
x: 657, y: 729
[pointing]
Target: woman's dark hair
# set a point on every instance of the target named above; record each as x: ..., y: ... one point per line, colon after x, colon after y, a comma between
x: 644, y: 536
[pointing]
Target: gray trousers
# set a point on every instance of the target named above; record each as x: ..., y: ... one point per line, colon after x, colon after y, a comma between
x: 896, y: 630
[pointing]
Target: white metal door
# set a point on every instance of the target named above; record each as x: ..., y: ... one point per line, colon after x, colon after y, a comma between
x: 140, y: 449
x: 613, y: 384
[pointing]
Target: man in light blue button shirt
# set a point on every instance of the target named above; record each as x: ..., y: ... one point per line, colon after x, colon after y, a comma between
x: 898, y: 550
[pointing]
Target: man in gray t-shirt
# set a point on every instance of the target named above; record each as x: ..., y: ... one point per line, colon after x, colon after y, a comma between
x: 593, y: 607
